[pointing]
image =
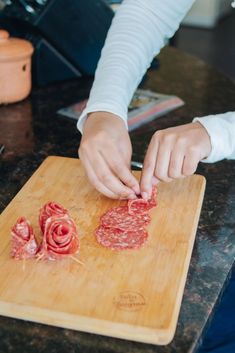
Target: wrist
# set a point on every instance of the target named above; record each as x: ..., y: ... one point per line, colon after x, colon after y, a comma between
x: 103, y: 118
x: 204, y: 138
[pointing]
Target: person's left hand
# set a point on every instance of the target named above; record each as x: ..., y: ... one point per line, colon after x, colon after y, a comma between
x: 105, y: 151
x: 174, y: 153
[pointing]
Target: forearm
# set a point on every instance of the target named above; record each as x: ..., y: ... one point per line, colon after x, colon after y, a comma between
x: 138, y: 32
x: 221, y: 129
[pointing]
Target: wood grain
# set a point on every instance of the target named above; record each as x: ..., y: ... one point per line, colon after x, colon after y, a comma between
x: 131, y: 294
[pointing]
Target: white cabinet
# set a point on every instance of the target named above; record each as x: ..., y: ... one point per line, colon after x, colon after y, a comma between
x: 206, y: 13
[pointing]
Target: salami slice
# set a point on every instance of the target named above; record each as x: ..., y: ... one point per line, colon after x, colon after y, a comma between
x: 139, y: 206
x: 23, y: 241
x: 123, y: 227
x: 60, y: 238
x: 118, y: 217
x: 50, y: 209
x: 117, y: 239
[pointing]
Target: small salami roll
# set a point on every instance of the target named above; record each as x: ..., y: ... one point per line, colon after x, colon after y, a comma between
x: 23, y: 242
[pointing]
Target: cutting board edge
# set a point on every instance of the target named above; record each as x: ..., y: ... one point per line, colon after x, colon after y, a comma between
x: 167, y: 333
x: 101, y: 327
x: 35, y: 173
x: 175, y: 315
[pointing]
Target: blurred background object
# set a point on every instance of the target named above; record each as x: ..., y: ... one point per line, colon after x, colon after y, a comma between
x: 207, y: 13
x: 61, y: 53
x: 1, y: 4
x: 15, y: 68
x: 67, y: 35
x: 208, y: 33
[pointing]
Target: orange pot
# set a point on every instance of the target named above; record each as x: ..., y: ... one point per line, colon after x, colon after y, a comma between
x: 15, y: 68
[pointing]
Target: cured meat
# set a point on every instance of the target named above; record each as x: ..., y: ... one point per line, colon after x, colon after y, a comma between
x: 123, y: 227
x: 60, y: 238
x: 118, y: 217
x: 23, y: 241
x: 140, y: 205
x: 117, y: 239
x: 50, y: 209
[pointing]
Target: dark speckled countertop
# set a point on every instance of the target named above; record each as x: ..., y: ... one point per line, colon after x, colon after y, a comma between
x: 31, y: 130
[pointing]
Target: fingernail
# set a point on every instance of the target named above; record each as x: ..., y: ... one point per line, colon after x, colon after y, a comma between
x: 132, y: 197
x: 144, y: 195
x: 136, y: 189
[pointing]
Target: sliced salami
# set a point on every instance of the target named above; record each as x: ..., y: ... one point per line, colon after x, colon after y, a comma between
x: 117, y: 239
x: 123, y: 227
x: 23, y: 242
x: 50, y: 209
x: 118, y: 217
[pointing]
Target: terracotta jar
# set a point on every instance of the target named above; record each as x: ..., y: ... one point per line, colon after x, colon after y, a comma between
x: 15, y: 68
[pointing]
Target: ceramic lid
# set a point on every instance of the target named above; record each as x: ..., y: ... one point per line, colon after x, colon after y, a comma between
x: 13, y: 48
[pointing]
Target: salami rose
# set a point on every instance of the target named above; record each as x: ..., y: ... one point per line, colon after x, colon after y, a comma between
x: 50, y: 209
x: 60, y: 238
x: 24, y: 244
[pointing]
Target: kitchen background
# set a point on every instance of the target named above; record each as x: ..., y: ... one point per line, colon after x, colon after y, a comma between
x: 210, y: 24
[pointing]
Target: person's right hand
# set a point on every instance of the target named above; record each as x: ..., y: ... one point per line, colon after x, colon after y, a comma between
x: 174, y: 153
x: 105, y: 151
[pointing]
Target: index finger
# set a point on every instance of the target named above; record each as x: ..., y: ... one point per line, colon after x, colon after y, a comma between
x: 124, y: 174
x: 148, y: 169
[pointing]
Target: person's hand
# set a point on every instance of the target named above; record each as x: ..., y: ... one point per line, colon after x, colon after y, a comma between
x: 174, y: 153
x: 105, y: 152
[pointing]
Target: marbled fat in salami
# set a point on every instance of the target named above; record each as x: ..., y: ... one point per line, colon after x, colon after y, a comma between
x: 118, y: 217
x: 23, y: 242
x: 50, y: 209
x: 60, y: 238
x: 117, y: 239
x: 123, y: 227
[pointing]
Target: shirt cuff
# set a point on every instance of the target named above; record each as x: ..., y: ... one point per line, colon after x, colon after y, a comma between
x: 100, y: 108
x: 218, y: 137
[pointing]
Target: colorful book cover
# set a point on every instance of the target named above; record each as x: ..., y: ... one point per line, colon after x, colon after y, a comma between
x: 144, y: 107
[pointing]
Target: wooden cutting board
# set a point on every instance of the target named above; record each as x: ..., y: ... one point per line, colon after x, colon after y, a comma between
x: 131, y: 294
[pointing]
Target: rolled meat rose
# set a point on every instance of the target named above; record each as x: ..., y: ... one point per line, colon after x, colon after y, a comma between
x: 23, y: 242
x: 50, y: 209
x: 60, y: 238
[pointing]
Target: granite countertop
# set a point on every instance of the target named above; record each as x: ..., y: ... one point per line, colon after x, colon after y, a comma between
x: 31, y: 130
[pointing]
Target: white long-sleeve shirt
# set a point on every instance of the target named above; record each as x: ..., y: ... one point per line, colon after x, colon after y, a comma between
x: 139, y: 30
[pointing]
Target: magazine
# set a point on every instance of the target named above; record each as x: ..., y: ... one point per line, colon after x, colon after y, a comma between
x: 145, y: 106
